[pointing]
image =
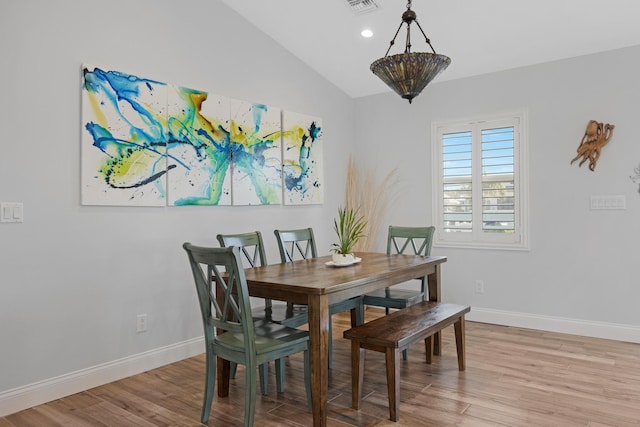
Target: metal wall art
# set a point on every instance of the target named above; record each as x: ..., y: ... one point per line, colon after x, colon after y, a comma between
x: 595, y: 137
x: 636, y: 177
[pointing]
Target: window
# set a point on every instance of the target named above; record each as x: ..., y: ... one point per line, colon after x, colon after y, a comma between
x: 480, y: 195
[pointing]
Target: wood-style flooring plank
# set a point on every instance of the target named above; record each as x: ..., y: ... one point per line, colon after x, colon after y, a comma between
x: 514, y: 377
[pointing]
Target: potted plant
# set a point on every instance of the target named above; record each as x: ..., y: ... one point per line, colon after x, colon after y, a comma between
x: 350, y: 228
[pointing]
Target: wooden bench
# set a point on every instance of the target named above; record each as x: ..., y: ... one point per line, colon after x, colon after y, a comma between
x: 395, y: 332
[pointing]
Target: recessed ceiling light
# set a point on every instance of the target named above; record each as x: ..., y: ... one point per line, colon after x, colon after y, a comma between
x: 366, y: 33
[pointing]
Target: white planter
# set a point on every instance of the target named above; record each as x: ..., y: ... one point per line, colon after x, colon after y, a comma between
x: 340, y: 259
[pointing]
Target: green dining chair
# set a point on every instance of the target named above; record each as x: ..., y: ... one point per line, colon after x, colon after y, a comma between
x: 400, y: 240
x: 252, y: 249
x: 229, y: 329
x: 252, y: 246
x: 301, y: 244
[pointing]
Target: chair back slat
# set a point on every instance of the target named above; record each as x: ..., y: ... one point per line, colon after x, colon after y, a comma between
x: 224, y: 273
x: 250, y: 245
x: 252, y: 249
x: 419, y: 239
x: 296, y: 244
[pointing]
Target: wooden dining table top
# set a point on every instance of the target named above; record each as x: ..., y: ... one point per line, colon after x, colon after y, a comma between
x: 295, y: 281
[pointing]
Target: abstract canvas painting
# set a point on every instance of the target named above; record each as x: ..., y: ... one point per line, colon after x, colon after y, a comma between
x: 302, y: 159
x: 199, y: 149
x: 257, y: 154
x: 149, y: 143
x: 124, y: 137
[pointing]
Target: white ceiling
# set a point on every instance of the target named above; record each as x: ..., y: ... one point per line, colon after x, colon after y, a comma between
x: 480, y: 36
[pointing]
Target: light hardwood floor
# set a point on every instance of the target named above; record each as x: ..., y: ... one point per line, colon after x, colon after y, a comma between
x: 514, y: 377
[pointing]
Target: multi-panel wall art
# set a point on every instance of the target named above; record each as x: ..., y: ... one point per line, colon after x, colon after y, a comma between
x: 149, y: 143
x: 302, y: 159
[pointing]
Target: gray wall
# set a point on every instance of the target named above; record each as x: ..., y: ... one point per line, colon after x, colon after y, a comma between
x: 73, y: 278
x: 579, y: 274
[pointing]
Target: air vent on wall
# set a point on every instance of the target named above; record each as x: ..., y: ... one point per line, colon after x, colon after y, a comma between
x: 362, y: 6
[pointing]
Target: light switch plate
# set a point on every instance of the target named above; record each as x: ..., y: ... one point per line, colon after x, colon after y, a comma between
x: 11, y: 212
x: 618, y: 202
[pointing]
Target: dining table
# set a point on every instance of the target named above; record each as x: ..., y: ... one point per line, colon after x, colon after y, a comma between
x: 317, y: 283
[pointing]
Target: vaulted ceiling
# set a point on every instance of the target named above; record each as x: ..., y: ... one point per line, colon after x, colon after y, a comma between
x: 480, y: 36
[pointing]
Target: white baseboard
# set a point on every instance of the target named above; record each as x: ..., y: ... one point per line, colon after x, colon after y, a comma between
x: 24, y: 397
x: 587, y: 328
x: 55, y: 388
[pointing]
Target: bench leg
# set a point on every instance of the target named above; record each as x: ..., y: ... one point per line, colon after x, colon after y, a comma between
x: 393, y: 382
x: 459, y: 329
x: 357, y: 373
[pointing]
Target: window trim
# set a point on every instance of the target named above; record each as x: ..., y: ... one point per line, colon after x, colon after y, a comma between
x: 478, y: 239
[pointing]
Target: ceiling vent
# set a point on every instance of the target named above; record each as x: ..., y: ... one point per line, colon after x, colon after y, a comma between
x: 362, y: 6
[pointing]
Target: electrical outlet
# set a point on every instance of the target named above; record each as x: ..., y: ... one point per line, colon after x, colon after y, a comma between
x: 141, y: 324
x: 479, y: 287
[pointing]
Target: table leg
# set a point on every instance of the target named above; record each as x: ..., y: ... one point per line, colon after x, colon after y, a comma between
x: 223, y: 367
x: 319, y: 354
x: 223, y: 371
x: 434, y: 285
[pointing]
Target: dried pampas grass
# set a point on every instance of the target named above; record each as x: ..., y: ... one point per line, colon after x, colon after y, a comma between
x: 371, y: 198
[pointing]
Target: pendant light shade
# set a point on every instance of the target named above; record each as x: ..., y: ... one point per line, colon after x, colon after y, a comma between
x: 409, y: 73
